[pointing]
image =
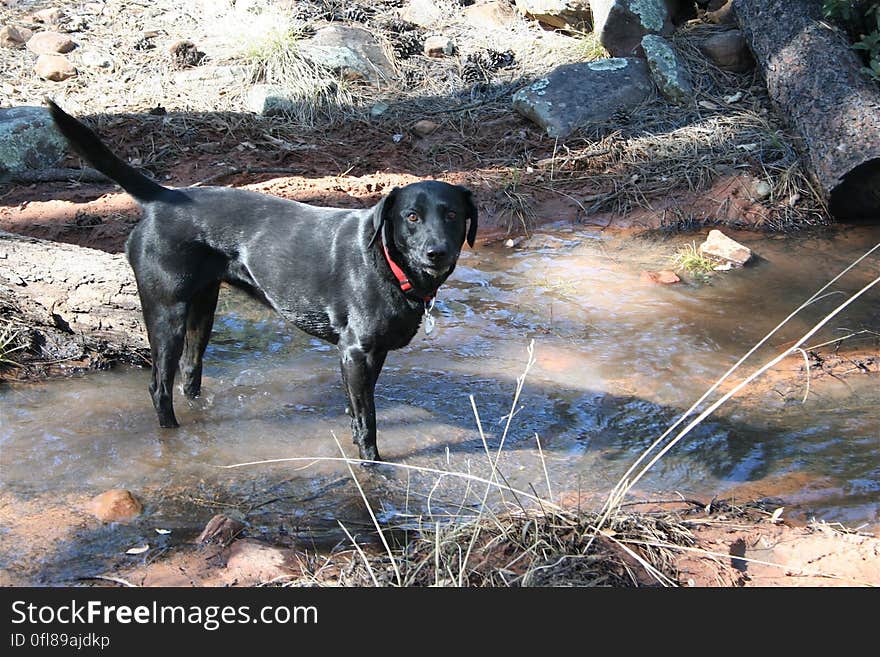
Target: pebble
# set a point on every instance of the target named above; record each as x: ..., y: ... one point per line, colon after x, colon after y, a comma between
x: 54, y: 68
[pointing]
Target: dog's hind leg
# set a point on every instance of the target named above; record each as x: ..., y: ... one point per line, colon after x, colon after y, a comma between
x: 199, y: 322
x: 166, y: 325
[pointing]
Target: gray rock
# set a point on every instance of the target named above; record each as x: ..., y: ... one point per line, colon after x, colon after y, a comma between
x: 561, y: 14
x: 95, y: 59
x: 270, y: 100
x: 351, y: 51
x: 668, y: 70
x: 621, y: 24
x: 728, y: 50
x: 14, y: 37
x: 574, y: 95
x: 719, y: 246
x: 28, y: 140
x: 212, y: 76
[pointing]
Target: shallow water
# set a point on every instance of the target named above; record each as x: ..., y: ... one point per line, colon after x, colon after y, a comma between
x: 616, y: 361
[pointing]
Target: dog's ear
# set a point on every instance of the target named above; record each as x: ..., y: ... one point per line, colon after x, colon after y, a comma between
x: 471, y: 207
x: 380, y: 212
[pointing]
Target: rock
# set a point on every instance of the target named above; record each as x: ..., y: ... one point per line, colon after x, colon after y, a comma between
x: 251, y: 562
x: 621, y: 24
x: 425, y: 127
x: 14, y: 37
x: 439, y: 46
x: 663, y: 277
x: 574, y: 95
x: 668, y: 69
x: 117, y: 505
x: 54, y: 67
x: 491, y: 15
x: 351, y: 51
x: 724, y: 15
x: 761, y: 189
x: 50, y: 43
x: 212, y: 76
x: 220, y: 529
x: 728, y: 50
x: 720, y: 247
x: 269, y: 100
x: 50, y: 16
x: 28, y: 140
x: 424, y: 13
x: 561, y: 14
x: 95, y: 59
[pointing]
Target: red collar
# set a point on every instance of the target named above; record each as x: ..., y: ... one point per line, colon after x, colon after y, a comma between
x: 405, y: 285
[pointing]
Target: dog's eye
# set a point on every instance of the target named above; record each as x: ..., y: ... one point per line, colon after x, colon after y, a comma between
x: 412, y: 217
x: 451, y: 216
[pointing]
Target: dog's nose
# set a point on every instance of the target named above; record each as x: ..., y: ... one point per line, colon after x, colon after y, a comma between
x: 436, y: 253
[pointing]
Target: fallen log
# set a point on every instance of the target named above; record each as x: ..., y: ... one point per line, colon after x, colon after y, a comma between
x: 66, y: 303
x: 814, y: 78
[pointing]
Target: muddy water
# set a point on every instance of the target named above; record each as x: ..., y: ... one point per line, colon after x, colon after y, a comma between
x: 616, y: 360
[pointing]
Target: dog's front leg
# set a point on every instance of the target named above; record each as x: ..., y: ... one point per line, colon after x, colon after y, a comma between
x: 360, y: 370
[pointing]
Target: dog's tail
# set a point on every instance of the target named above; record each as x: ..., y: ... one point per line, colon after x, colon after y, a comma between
x: 91, y: 148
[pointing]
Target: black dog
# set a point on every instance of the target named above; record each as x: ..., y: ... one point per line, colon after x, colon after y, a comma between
x: 360, y: 279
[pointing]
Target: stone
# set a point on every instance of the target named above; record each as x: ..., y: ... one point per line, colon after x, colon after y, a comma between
x: 621, y: 24
x: 251, y: 562
x: 117, y: 505
x: 50, y: 16
x: 49, y: 43
x: 353, y: 52
x: 662, y: 277
x: 54, y: 67
x: 491, y: 15
x: 95, y: 59
x: 28, y: 140
x: 668, y: 69
x: 424, y: 13
x: 212, y: 76
x: 439, y: 46
x: 220, y: 529
x: 721, y: 248
x: 269, y: 100
x: 185, y: 54
x: 574, y: 95
x: 561, y: 14
x: 14, y: 37
x: 728, y: 50
x: 761, y: 189
x: 425, y: 127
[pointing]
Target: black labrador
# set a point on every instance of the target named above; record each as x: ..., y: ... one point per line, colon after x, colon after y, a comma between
x: 360, y: 279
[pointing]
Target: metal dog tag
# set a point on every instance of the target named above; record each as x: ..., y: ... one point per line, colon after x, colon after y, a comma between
x: 429, y: 318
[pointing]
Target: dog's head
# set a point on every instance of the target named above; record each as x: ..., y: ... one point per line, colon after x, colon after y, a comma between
x: 426, y: 224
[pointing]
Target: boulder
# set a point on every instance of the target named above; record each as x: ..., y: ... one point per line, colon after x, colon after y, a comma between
x: 621, y: 24
x: 728, y: 50
x: 720, y: 247
x: 724, y: 15
x: 54, y: 67
x: 14, y: 37
x: 117, y: 505
x: 574, y: 95
x: 50, y: 43
x: 668, y: 69
x: 490, y: 15
x: 353, y: 52
x: 28, y: 140
x: 561, y: 14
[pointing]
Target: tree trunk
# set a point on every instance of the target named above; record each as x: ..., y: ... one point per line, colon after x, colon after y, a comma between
x: 815, y: 79
x: 69, y: 303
